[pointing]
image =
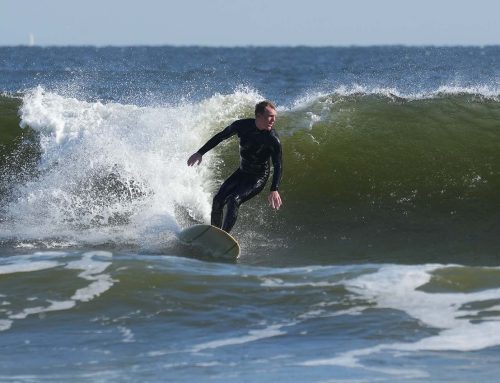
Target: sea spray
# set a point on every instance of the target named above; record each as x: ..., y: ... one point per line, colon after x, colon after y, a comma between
x: 106, y: 169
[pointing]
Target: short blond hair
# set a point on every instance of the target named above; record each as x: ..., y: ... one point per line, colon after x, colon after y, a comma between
x: 260, y: 108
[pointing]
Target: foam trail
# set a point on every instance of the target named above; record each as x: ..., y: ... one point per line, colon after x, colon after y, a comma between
x: 397, y: 287
x: 252, y: 336
x: 92, y: 271
x: 5, y: 324
x: 93, y: 266
x: 29, y: 267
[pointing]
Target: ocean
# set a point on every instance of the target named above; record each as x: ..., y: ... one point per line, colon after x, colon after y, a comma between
x: 383, y: 264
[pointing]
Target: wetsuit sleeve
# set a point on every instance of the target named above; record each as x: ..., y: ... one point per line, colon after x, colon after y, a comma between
x: 277, y: 159
x: 218, y: 138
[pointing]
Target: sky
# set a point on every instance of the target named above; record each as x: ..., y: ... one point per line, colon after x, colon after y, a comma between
x: 249, y: 22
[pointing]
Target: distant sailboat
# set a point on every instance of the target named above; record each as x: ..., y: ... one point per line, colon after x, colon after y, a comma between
x: 32, y: 40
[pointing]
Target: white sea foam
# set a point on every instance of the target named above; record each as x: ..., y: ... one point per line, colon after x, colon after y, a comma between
x: 397, y: 287
x: 279, y: 283
x: 101, y: 285
x: 107, y: 169
x: 128, y: 335
x: 93, y: 266
x: 93, y: 270
x: 5, y: 324
x: 53, y: 306
x: 252, y: 336
x: 27, y: 267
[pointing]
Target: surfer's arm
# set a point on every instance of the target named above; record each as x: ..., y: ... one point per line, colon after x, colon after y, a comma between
x: 217, y: 139
x: 274, y: 197
x: 276, y: 157
x: 212, y: 143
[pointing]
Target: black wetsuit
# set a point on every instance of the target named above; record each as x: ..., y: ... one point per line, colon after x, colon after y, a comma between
x: 256, y: 148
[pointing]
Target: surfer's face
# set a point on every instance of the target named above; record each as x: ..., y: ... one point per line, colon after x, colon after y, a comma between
x: 265, y: 121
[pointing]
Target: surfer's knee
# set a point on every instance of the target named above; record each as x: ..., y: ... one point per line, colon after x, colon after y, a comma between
x: 234, y: 201
x: 218, y: 202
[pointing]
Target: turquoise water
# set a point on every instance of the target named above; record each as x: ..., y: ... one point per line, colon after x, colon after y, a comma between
x: 382, y: 264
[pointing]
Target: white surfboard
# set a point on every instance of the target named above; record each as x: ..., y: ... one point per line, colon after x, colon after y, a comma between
x: 211, y: 240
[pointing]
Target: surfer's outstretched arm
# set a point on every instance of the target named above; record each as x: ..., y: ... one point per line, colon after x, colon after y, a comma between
x: 196, y: 158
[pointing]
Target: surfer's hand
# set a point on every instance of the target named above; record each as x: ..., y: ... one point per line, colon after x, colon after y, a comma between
x: 195, y: 159
x: 274, y: 200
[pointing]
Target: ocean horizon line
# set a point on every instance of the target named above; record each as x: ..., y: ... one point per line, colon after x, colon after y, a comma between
x: 246, y: 46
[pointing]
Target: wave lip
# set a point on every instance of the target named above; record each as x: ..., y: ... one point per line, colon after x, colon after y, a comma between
x: 394, y: 93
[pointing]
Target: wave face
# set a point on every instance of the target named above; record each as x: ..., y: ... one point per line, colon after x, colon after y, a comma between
x: 388, y: 172
x: 366, y: 174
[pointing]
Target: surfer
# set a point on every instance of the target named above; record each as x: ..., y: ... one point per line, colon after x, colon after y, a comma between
x: 259, y: 142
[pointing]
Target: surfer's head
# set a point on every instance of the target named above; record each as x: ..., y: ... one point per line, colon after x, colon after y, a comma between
x: 265, y: 115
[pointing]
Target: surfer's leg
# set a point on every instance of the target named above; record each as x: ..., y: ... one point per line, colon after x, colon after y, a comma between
x: 220, y: 199
x: 248, y: 187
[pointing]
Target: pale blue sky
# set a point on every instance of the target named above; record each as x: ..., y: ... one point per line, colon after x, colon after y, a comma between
x: 249, y: 22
